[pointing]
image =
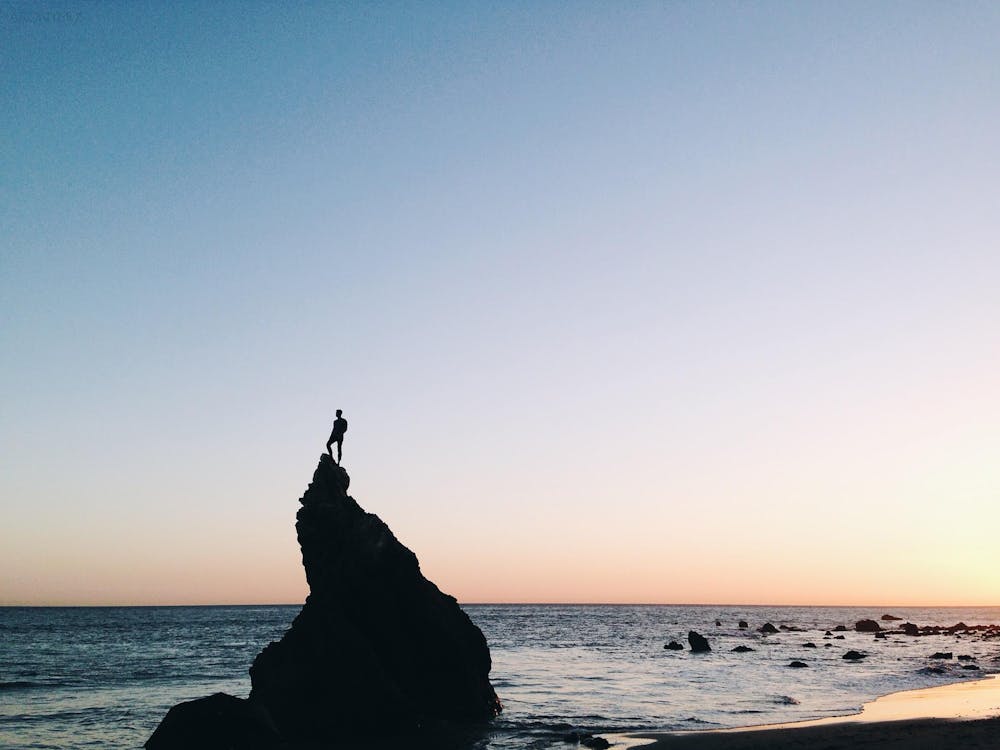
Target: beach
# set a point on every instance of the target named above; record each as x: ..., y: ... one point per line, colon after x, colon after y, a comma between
x: 965, y: 715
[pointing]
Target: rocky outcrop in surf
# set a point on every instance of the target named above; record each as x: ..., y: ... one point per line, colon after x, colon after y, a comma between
x: 377, y: 647
x: 376, y: 650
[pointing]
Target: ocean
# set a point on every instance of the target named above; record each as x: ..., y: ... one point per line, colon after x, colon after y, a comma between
x: 103, y: 677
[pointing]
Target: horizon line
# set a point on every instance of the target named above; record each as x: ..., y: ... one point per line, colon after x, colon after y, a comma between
x: 523, y: 604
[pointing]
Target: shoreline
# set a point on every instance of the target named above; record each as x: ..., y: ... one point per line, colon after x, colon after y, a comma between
x: 961, y: 714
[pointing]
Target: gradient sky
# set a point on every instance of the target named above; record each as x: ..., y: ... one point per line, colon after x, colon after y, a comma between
x: 625, y: 302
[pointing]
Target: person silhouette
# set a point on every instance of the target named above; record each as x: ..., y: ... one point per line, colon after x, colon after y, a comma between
x: 337, y: 436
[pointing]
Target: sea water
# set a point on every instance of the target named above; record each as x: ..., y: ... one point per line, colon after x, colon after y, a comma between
x: 104, y: 677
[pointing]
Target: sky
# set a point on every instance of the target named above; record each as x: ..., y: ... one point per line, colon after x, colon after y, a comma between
x: 668, y: 302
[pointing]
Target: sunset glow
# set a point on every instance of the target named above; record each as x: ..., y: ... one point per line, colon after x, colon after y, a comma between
x: 665, y: 302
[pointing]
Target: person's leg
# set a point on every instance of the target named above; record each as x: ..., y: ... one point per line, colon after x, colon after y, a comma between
x: 329, y: 442
x: 340, y: 444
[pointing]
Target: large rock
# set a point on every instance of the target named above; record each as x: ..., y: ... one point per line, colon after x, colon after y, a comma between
x: 867, y: 626
x: 377, y: 648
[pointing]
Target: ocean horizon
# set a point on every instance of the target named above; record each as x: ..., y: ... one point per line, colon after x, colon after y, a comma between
x: 104, y: 676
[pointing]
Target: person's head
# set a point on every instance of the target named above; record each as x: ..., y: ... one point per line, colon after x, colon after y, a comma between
x: 339, y: 412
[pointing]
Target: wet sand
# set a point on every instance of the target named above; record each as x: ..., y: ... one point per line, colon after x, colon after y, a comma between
x: 963, y: 715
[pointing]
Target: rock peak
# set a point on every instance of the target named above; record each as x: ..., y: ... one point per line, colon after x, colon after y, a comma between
x: 377, y: 648
x: 376, y: 645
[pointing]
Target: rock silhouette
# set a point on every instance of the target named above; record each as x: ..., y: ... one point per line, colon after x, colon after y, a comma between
x: 218, y: 721
x: 377, y: 647
x: 699, y: 644
x: 376, y: 650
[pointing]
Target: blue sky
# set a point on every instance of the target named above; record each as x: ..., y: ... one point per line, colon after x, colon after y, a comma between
x: 582, y: 277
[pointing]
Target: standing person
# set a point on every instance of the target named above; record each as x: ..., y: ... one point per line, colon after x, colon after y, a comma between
x: 337, y: 436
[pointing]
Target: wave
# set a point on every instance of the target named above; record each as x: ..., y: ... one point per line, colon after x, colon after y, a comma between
x: 25, y: 685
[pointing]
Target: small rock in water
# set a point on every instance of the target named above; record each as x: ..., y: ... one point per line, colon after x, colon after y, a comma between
x: 971, y: 667
x: 827, y: 633
x: 964, y: 657
x: 597, y: 743
x: 880, y: 636
x: 853, y: 656
x: 699, y: 644
x: 809, y: 645
x: 838, y: 637
x: 742, y: 649
x: 798, y: 664
x: 942, y: 655
x: 840, y: 629
x: 910, y: 629
x: 889, y: 618
x: 219, y: 720
x: 743, y: 625
x: 767, y: 628
x: 867, y: 626
x: 673, y: 646
x: 718, y: 623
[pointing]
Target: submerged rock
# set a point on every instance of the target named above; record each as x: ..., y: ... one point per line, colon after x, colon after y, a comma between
x: 890, y: 618
x: 798, y: 664
x: 377, y: 647
x: 673, y: 646
x: 853, y: 656
x: 942, y: 655
x: 767, y: 628
x: 742, y: 649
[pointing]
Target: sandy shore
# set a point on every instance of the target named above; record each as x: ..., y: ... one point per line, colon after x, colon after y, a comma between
x: 964, y: 715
